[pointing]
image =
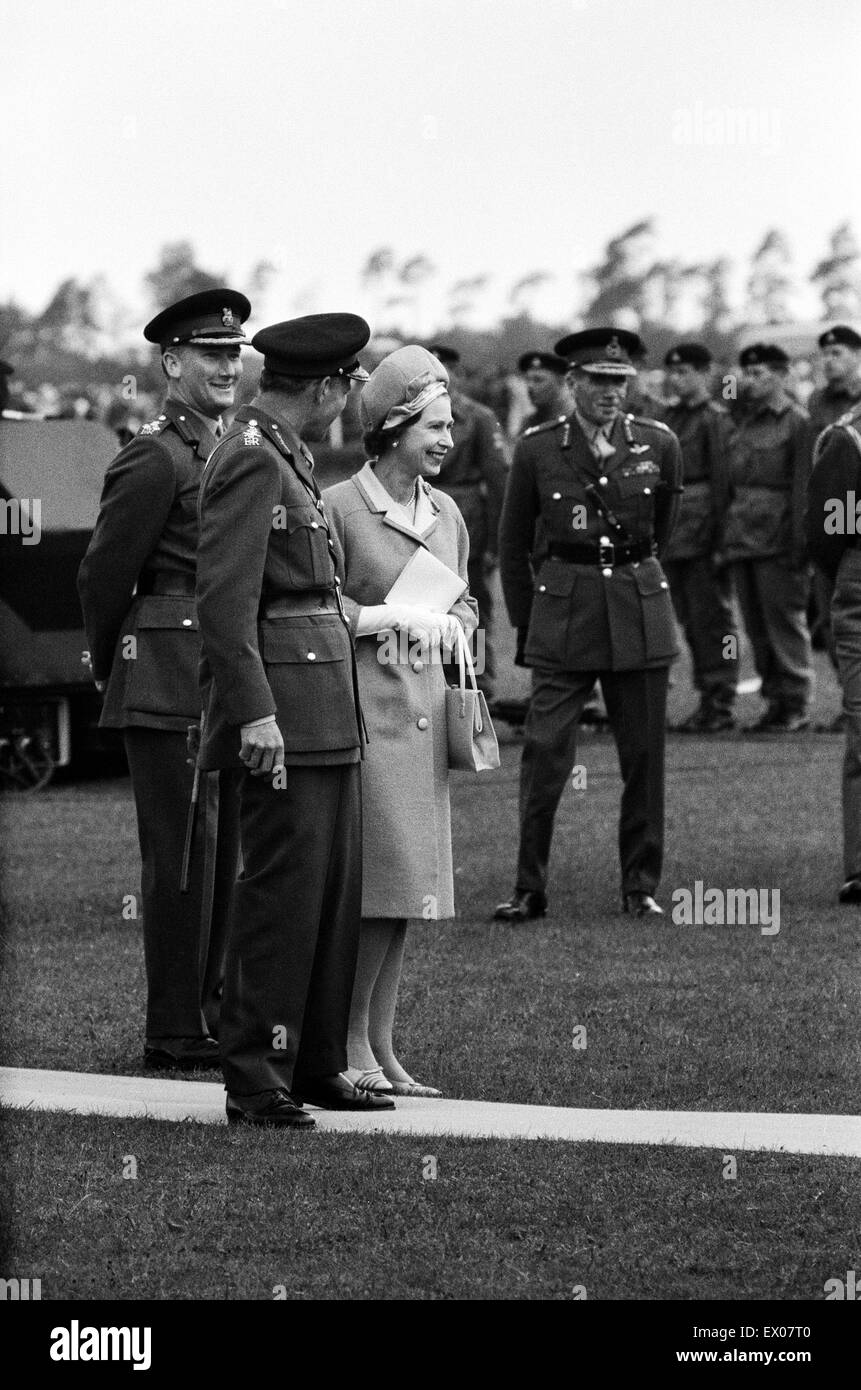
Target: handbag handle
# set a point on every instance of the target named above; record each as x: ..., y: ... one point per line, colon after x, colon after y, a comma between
x: 465, y: 664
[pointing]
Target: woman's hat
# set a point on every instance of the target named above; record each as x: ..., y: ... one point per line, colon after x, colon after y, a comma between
x: 400, y: 388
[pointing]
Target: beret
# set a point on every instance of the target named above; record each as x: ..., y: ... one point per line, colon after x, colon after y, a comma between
x: 542, y: 361
x: 212, y: 318
x: 449, y: 355
x: 6, y: 370
x: 314, y: 346
x: 607, y: 351
x: 841, y: 333
x: 689, y: 354
x: 763, y: 354
x: 400, y: 387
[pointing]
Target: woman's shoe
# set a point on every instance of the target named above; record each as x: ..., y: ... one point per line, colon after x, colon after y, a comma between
x: 413, y: 1088
x: 373, y: 1081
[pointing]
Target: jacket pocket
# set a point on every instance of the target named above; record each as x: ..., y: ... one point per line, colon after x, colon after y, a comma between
x: 659, y: 624
x: 309, y: 669
x: 162, y: 652
x: 551, y: 609
x: 304, y: 546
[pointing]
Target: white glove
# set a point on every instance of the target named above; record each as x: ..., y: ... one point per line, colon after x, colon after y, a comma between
x: 420, y: 624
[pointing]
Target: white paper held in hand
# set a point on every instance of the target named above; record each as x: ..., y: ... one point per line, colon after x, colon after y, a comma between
x: 425, y: 582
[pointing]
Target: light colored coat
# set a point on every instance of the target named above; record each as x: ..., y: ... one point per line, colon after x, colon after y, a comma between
x: 407, y: 864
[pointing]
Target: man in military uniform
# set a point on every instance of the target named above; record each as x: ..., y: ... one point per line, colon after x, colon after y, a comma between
x: 136, y: 584
x: 841, y: 364
x: 281, y: 704
x: 833, y: 534
x: 701, y: 592
x: 595, y: 493
x: 474, y: 473
x: 544, y: 374
x: 764, y: 537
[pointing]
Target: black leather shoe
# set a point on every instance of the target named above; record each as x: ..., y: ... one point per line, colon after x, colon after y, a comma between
x: 850, y: 892
x: 790, y: 722
x: 765, y: 723
x: 182, y: 1054
x: 521, y: 906
x: 715, y: 721
x: 276, y: 1109
x: 337, y: 1093
x: 640, y: 904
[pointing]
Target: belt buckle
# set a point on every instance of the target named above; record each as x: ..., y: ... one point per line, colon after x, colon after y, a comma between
x: 607, y: 554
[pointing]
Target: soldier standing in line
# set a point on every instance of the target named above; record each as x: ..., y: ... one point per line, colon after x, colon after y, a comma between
x: 841, y: 365
x: 601, y: 490
x: 832, y: 534
x: 701, y: 592
x: 136, y: 584
x: 474, y: 474
x: 544, y: 374
x: 764, y: 537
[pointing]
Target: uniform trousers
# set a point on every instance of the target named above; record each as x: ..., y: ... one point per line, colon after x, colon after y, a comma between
x: 846, y: 630
x: 702, y: 600
x: 473, y: 508
x: 636, y: 708
x: 294, y: 928
x: 184, y: 933
x: 773, y: 597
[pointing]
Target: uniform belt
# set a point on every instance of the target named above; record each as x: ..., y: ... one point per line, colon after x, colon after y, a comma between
x: 179, y: 583
x: 300, y: 606
x: 603, y: 555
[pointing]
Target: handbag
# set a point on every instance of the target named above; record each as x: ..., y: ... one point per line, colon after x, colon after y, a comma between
x: 472, y: 745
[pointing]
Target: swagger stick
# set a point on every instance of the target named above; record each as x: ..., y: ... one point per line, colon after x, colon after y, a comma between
x: 191, y: 820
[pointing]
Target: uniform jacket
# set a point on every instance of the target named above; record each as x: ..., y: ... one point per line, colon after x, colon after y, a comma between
x: 836, y: 477
x: 407, y: 826
x: 264, y: 537
x: 826, y: 406
x: 769, y: 470
x: 579, y: 617
x: 704, y: 432
x: 475, y: 470
x: 146, y: 534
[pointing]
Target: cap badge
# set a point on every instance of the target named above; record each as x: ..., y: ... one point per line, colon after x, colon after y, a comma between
x: 613, y: 350
x: 829, y: 338
x: 227, y: 318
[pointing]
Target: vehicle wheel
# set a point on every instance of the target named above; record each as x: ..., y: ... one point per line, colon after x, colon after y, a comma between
x: 26, y: 762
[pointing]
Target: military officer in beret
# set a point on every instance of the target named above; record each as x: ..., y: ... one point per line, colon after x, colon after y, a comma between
x: 596, y: 494
x: 764, y: 537
x: 474, y: 473
x: 136, y: 585
x: 280, y: 696
x: 544, y: 374
x: 701, y: 591
x: 833, y: 538
x: 841, y: 365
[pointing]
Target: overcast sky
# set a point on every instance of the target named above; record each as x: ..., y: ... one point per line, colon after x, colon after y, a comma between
x: 499, y: 136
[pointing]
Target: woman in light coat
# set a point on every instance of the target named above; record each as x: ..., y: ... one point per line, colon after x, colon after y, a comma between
x: 382, y: 516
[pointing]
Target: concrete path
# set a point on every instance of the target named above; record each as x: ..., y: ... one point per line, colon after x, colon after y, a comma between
x: 133, y: 1096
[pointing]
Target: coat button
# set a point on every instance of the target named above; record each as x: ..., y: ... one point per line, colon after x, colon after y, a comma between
x: 647, y: 492
x: 604, y: 540
x: 602, y: 482
x: 664, y: 584
x: 315, y: 525
x: 542, y: 588
x: 186, y: 622
x: 421, y: 723
x: 418, y: 666
x: 557, y: 497
x: 607, y: 572
x: 312, y: 656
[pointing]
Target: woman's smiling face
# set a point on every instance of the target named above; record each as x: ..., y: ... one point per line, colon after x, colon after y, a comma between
x: 423, y: 446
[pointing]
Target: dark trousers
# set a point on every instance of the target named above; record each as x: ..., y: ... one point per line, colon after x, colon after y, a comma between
x: 702, y: 600
x: 636, y: 708
x: 294, y: 929
x: 773, y: 595
x: 184, y: 933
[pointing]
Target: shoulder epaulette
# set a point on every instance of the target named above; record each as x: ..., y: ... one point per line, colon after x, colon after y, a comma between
x: 647, y: 420
x: 545, y: 425
x: 251, y: 434
x: 154, y: 426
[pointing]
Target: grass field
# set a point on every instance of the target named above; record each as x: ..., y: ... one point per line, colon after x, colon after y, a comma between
x: 684, y: 1017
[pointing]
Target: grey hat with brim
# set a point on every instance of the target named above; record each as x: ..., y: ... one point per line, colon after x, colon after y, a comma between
x: 400, y: 388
